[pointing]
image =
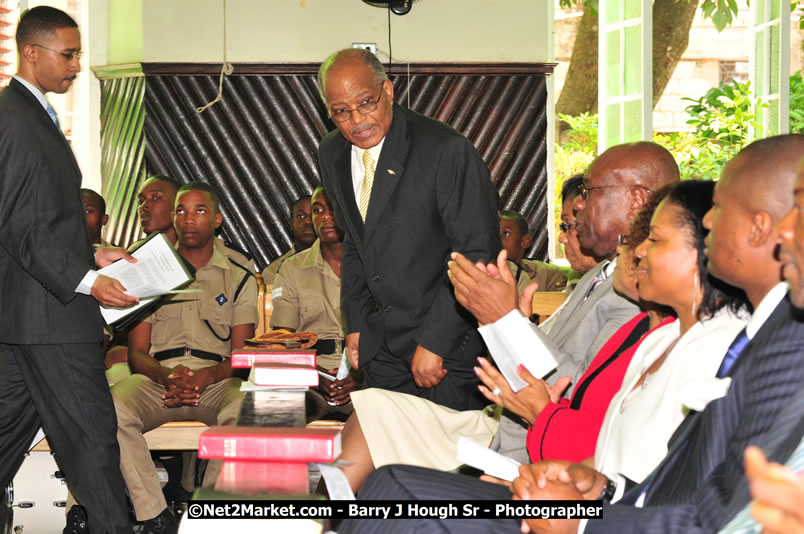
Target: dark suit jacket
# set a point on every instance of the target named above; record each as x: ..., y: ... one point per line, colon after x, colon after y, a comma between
x: 432, y: 194
x: 695, y: 489
x: 45, y: 248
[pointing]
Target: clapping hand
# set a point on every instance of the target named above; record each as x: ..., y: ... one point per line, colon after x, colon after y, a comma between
x: 486, y: 296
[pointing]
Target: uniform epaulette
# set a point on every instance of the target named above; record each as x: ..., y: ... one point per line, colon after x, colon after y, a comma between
x: 236, y: 248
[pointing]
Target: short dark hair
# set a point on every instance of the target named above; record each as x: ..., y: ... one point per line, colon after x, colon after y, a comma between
x: 165, y: 178
x: 319, y: 187
x: 572, y: 187
x: 694, y: 198
x: 518, y: 217
x: 364, y: 55
x: 201, y: 186
x: 39, y: 20
x: 97, y: 197
x: 296, y: 204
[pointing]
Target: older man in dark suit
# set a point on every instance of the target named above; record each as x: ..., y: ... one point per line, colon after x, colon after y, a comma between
x: 407, y: 190
x: 51, y: 364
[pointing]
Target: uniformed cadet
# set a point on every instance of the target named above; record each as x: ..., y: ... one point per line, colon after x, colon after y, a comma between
x: 155, y: 202
x: 516, y: 239
x: 181, y: 354
x: 307, y: 297
x: 155, y: 206
x: 95, y: 212
x: 303, y: 236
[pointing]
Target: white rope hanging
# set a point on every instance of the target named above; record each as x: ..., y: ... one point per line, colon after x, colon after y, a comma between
x: 226, y: 68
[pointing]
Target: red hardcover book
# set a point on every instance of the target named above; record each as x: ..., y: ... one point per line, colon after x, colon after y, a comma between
x: 248, y: 356
x: 263, y: 478
x: 270, y: 444
x: 283, y: 375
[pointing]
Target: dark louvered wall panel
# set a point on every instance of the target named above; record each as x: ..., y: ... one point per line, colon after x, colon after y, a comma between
x: 122, y: 148
x: 258, y: 144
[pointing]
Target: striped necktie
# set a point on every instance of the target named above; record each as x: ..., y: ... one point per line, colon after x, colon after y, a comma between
x: 598, y: 279
x: 743, y: 522
x: 368, y: 182
x: 734, y: 351
x: 53, y: 116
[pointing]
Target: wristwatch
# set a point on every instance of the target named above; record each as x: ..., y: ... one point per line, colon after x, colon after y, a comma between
x: 608, y: 491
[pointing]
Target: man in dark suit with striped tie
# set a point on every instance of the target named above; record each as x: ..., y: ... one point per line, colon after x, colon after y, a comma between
x: 51, y: 364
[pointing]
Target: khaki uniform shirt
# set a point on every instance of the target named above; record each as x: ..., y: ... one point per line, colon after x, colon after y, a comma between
x: 550, y: 277
x: 524, y: 278
x: 269, y: 273
x: 235, y: 255
x: 182, y: 320
x: 307, y: 295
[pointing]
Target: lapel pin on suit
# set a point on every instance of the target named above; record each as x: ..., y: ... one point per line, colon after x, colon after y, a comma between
x: 391, y: 172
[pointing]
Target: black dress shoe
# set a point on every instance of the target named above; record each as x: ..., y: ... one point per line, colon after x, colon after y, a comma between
x: 76, y: 521
x: 164, y: 523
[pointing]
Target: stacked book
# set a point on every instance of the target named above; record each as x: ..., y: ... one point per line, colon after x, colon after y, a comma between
x: 279, y: 360
x: 268, y: 460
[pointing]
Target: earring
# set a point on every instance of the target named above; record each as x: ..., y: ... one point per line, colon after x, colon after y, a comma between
x: 694, y: 293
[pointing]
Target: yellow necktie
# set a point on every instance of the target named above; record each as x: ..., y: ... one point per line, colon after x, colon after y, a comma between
x: 368, y: 181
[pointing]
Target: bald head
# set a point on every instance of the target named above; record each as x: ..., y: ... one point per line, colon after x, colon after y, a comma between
x: 751, y: 197
x: 643, y: 163
x: 617, y: 185
x: 763, y: 173
x: 345, y: 56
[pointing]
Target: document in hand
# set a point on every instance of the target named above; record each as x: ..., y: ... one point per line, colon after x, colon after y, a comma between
x: 490, y: 462
x: 512, y: 342
x: 159, y: 270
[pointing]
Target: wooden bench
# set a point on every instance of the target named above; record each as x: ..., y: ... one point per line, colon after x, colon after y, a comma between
x: 545, y: 303
x: 172, y: 436
x: 175, y: 436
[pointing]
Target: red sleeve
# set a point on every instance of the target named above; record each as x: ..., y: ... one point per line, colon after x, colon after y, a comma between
x: 561, y: 433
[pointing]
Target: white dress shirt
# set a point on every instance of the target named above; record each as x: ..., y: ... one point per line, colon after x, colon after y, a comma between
x: 639, y: 422
x: 763, y: 310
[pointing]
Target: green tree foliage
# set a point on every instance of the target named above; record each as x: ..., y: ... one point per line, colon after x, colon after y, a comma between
x: 797, y: 102
x: 723, y: 119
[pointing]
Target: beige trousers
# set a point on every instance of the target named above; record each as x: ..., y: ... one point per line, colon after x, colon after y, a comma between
x: 138, y: 402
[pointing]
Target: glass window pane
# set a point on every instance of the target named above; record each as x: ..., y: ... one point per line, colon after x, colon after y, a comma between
x: 633, y: 9
x: 633, y: 60
x: 773, y: 118
x: 761, y: 118
x: 760, y: 11
x: 775, y: 9
x: 773, y: 57
x: 613, y: 65
x: 613, y: 124
x: 633, y: 121
x: 612, y: 12
x: 759, y: 64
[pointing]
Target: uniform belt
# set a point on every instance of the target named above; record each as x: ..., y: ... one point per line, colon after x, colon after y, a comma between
x: 184, y: 351
x: 328, y: 346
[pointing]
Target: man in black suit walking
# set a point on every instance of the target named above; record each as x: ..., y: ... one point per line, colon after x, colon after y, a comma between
x: 407, y: 190
x: 51, y: 364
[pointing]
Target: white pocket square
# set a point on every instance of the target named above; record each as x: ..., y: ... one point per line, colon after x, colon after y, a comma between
x: 696, y: 395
